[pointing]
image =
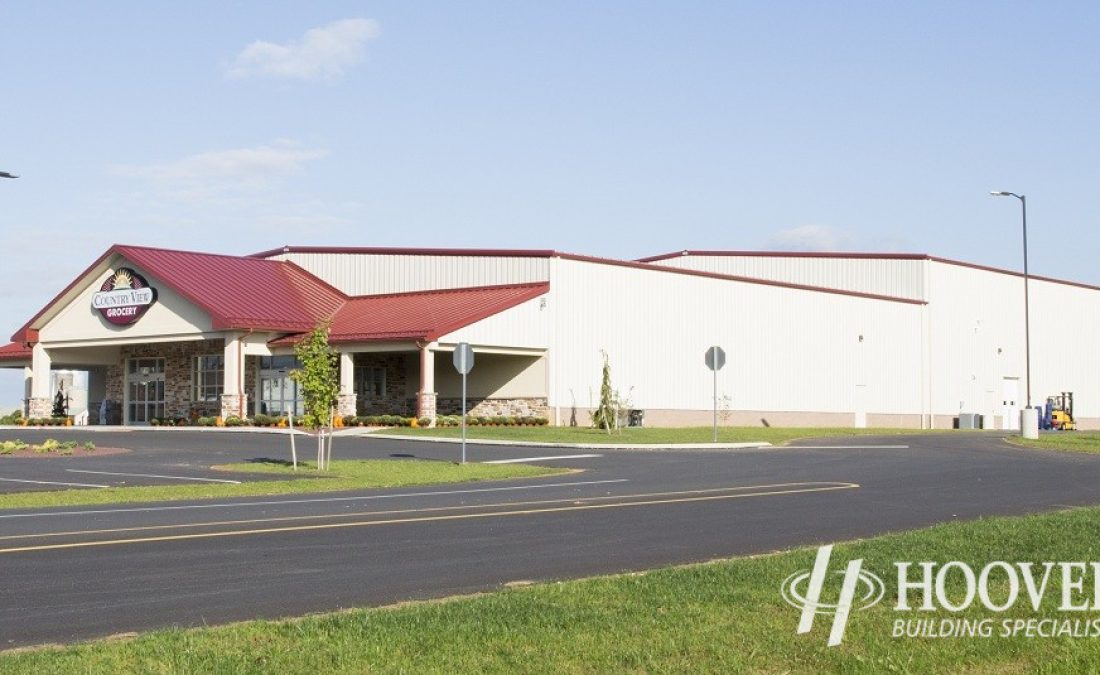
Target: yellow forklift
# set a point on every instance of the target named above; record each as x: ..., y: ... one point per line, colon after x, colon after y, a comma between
x: 1059, y: 412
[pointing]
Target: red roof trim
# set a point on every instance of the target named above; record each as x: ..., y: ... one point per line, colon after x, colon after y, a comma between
x: 998, y: 270
x: 788, y: 254
x: 863, y: 256
x: 381, y: 250
x: 747, y: 280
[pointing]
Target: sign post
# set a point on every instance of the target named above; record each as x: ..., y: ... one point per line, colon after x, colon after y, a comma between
x: 464, y: 363
x: 715, y: 358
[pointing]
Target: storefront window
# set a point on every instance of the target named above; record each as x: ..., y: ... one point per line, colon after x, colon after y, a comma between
x: 209, y: 378
x: 278, y: 392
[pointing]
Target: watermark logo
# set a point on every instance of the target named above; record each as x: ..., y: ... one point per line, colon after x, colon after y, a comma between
x: 859, y: 588
x: 931, y: 596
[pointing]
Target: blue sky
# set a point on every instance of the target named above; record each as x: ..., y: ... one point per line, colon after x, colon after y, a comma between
x: 620, y: 129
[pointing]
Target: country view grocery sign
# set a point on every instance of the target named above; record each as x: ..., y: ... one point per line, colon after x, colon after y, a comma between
x: 124, y: 297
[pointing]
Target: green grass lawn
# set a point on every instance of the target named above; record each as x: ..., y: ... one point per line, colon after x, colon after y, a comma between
x: 643, y: 436
x: 344, y: 475
x: 1072, y: 441
x: 722, y: 617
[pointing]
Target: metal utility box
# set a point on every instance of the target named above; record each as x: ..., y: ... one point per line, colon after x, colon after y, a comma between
x: 970, y: 421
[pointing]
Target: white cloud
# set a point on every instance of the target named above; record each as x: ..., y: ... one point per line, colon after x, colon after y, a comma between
x: 322, y: 53
x: 808, y: 238
x: 225, y: 171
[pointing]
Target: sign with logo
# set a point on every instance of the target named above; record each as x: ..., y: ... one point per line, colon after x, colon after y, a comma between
x: 1001, y: 599
x: 124, y: 297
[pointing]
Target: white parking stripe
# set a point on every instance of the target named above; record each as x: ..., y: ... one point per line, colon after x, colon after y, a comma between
x: 153, y: 475
x: 849, y: 447
x: 538, y: 459
x: 50, y: 482
x: 222, y: 505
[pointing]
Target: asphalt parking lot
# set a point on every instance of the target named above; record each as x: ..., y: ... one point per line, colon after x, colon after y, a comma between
x: 91, y: 571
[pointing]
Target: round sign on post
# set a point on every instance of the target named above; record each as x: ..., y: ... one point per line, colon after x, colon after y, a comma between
x: 464, y: 363
x: 715, y: 358
x: 464, y: 358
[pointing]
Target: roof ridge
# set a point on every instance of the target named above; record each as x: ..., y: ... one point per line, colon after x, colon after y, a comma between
x: 408, y: 250
x: 162, y: 249
x: 785, y: 254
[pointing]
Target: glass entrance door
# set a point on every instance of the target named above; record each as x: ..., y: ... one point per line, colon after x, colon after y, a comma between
x: 279, y: 393
x: 144, y: 390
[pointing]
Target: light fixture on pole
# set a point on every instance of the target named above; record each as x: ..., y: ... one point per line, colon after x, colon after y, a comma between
x: 1027, y: 317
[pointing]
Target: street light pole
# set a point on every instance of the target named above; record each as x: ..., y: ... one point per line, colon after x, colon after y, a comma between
x: 1027, y: 296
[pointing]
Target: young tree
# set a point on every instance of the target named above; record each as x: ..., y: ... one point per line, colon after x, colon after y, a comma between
x: 319, y: 381
x: 604, y: 416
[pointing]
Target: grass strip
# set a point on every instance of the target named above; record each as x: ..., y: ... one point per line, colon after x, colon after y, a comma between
x: 645, y: 435
x: 1069, y: 441
x: 720, y: 617
x: 344, y: 475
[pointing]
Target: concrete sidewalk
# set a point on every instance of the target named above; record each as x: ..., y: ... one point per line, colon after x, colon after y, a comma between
x: 578, y: 446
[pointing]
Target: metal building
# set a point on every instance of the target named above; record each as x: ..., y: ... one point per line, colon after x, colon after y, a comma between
x: 811, y: 339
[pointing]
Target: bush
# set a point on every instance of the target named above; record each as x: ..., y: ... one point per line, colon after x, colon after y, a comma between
x: 484, y: 421
x: 350, y: 420
x: 206, y: 421
x: 262, y: 420
x: 424, y: 421
x: 234, y: 421
x: 48, y: 445
x: 15, y: 417
x: 89, y: 446
x: 448, y: 421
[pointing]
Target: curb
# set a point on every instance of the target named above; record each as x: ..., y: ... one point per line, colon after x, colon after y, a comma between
x: 575, y: 446
x: 106, y: 428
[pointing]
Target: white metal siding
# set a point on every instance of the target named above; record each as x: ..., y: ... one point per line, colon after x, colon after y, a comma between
x: 526, y: 325
x: 974, y: 314
x: 368, y: 274
x: 898, y: 278
x: 788, y: 349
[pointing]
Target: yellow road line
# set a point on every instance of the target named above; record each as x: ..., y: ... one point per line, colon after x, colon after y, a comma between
x: 359, y: 514
x: 438, y: 518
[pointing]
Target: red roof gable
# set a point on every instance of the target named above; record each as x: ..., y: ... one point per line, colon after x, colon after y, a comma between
x: 237, y: 292
x: 15, y: 352
x: 422, y: 315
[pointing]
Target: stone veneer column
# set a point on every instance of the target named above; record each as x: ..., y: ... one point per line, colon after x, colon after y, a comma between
x: 346, y: 401
x: 234, y: 400
x: 426, y: 396
x: 40, y: 403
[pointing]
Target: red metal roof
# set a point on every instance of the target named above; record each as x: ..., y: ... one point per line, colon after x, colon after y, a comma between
x: 15, y: 352
x: 240, y: 292
x: 422, y: 315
